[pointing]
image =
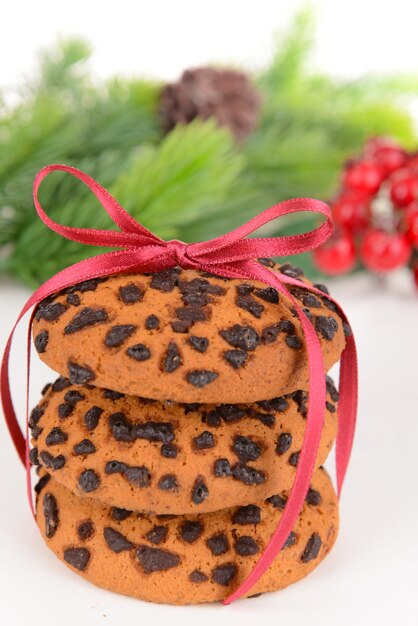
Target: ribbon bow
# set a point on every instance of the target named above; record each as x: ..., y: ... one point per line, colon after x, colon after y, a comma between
x: 233, y: 256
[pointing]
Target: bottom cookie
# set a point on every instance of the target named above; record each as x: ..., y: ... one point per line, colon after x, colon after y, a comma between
x: 184, y: 559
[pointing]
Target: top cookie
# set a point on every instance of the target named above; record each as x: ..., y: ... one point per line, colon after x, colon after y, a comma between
x: 184, y: 335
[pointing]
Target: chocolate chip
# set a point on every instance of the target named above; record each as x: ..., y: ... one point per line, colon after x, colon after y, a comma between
x: 294, y: 459
x: 52, y: 462
x: 152, y: 322
x: 243, y: 337
x: 199, y: 344
x: 218, y: 544
x: 322, y: 288
x: 65, y: 410
x: 129, y: 294
x: 312, y: 548
x: 278, y: 405
x: 244, y: 289
x: 250, y: 514
x: 198, y: 577
x: 172, y: 358
x: 50, y: 312
x: 41, y: 484
x: 201, y: 378
x: 266, y: 262
x: 347, y: 329
x: 60, y: 384
x: 290, y: 541
x: 246, y: 546
x: 231, y: 412
x: 73, y: 396
x: 116, y: 541
x: 211, y: 418
x: 139, y: 476
x: 251, y: 306
x: 88, y: 481
x: 246, y: 449
x: 116, y: 335
x: 77, y: 557
x: 293, y: 341
x: 190, y: 407
x: 168, y: 451
x: 41, y: 341
x: 55, y: 437
x: 224, y: 574
x: 277, y: 501
x: 46, y: 388
x: 331, y: 389
x: 86, y: 317
x: 73, y: 299
x: 85, y: 530
x: 154, y: 431
x: 155, y: 559
x: 313, y: 497
x: 291, y: 270
x: 84, y: 447
x: 139, y: 352
x: 190, y: 531
x: 157, y: 534
x: 120, y: 427
x: 168, y: 482
x: 87, y: 285
x: 91, y: 417
x: 284, y: 442
x: 308, y: 299
x: 301, y: 398
x: 33, y: 456
x: 265, y: 418
x: 326, y: 326
x: 269, y: 294
x: 330, y: 305
x: 204, y: 441
x: 330, y: 407
x: 115, y: 467
x: 165, y: 280
x: 181, y: 326
x: 120, y: 514
x: 248, y: 475
x: 50, y: 509
x: 269, y: 334
x: 200, y: 491
x: 222, y: 468
x: 79, y: 375
x: 110, y: 394
x: 191, y: 313
x: 236, y: 358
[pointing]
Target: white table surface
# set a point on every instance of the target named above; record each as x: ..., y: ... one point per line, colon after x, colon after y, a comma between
x: 371, y: 575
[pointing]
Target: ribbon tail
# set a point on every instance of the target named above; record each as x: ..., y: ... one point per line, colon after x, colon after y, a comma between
x: 347, y: 409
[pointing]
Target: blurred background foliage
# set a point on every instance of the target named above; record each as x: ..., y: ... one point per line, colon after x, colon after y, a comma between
x: 196, y: 181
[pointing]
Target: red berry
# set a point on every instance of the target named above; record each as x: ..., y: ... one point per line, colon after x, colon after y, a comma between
x: 363, y: 176
x: 352, y: 212
x: 412, y: 163
x: 387, y: 153
x: 336, y: 256
x: 381, y: 251
x: 411, y: 223
x: 404, y: 188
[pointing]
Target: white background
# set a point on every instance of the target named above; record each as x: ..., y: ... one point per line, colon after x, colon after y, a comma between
x: 370, y: 577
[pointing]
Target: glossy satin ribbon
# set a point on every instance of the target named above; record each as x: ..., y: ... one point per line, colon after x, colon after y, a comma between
x: 231, y: 255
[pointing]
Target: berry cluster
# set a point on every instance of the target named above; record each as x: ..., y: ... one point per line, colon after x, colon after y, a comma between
x: 375, y: 212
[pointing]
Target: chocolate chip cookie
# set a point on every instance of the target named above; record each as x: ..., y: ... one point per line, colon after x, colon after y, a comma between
x: 184, y: 559
x: 166, y: 457
x: 185, y: 335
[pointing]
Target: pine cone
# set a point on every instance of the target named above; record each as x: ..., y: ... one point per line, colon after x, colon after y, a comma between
x: 226, y: 95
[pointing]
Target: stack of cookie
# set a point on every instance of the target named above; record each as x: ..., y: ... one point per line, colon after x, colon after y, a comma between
x: 168, y: 445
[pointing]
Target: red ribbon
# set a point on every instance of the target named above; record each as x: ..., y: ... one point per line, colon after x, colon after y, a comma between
x: 230, y: 255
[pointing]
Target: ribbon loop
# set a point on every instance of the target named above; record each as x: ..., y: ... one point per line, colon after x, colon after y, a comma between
x: 231, y: 255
